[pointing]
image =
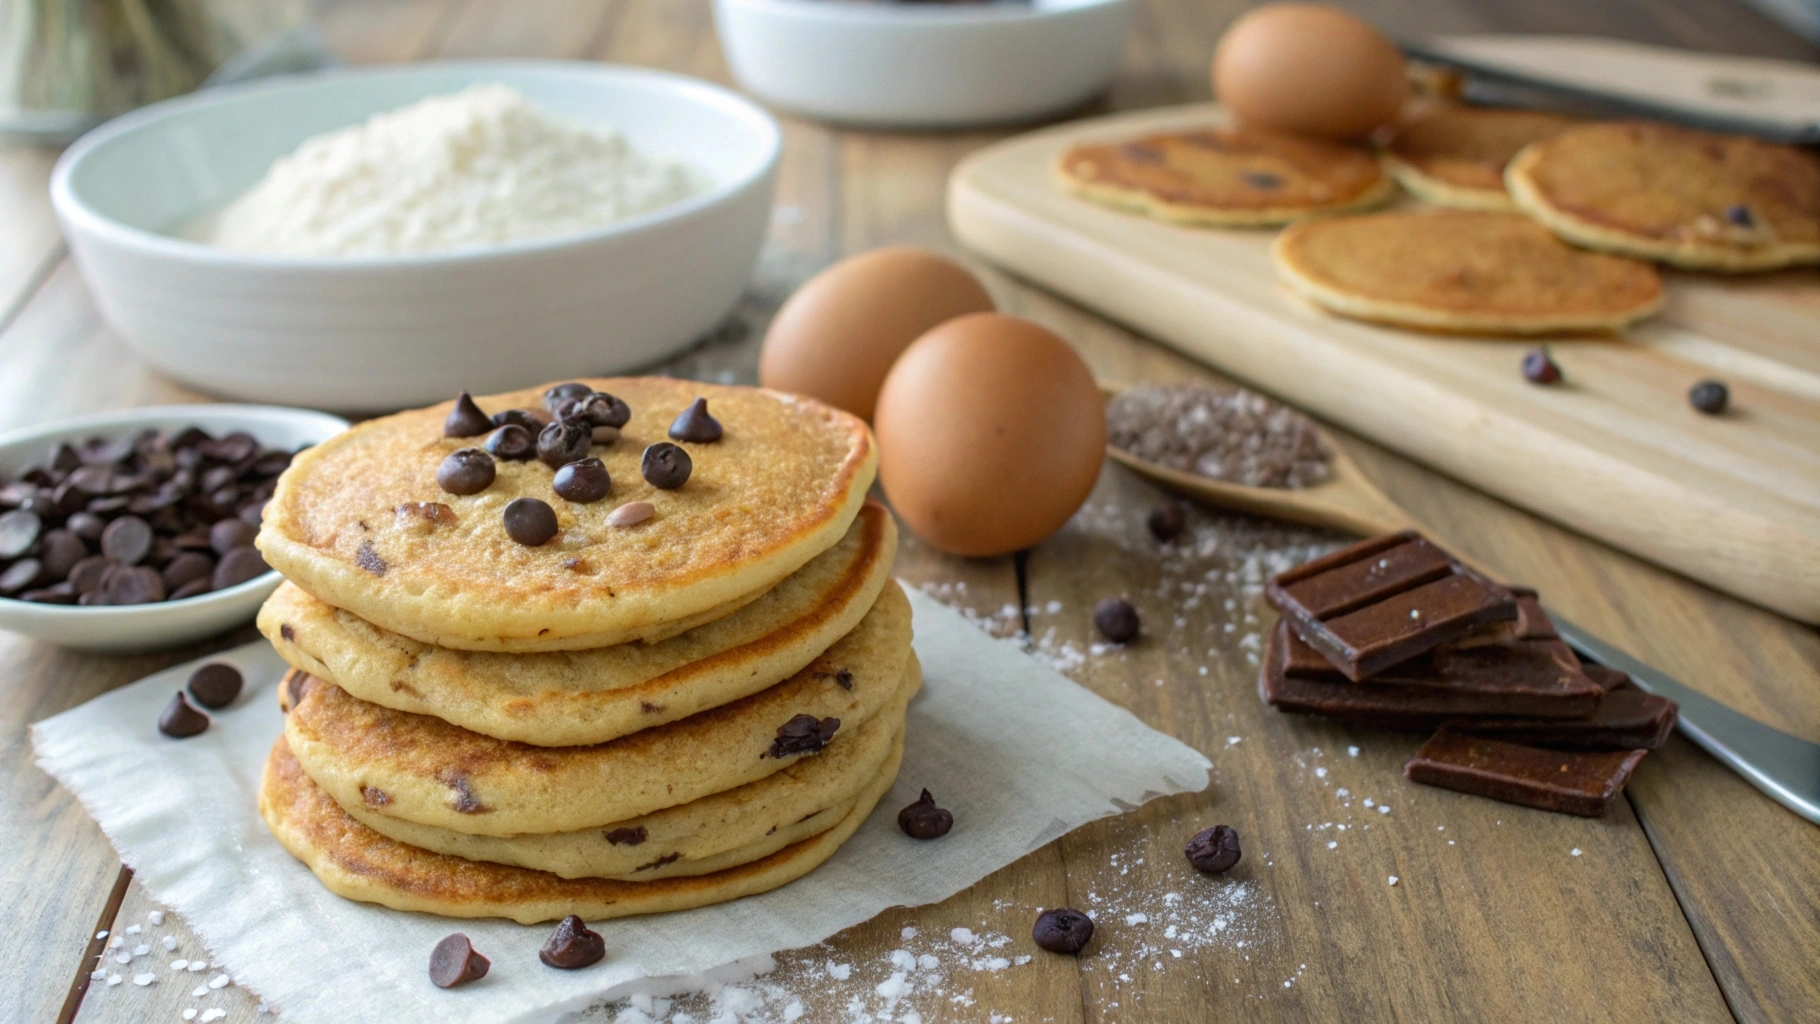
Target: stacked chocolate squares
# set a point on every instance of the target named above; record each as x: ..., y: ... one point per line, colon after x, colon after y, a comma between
x: 1395, y: 632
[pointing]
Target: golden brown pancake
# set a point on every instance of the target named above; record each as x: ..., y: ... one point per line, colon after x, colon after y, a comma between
x: 1454, y: 155
x: 1225, y: 177
x: 355, y: 862
x: 571, y: 698
x: 425, y: 770
x: 348, y: 523
x: 1460, y: 270
x: 1685, y: 197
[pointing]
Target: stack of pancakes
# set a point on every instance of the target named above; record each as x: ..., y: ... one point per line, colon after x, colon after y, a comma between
x: 625, y: 719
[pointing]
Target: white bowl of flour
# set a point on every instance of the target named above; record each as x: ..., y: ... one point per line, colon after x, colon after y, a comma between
x: 377, y: 238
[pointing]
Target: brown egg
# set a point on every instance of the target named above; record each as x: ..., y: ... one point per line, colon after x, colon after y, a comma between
x: 990, y: 434
x: 837, y: 336
x: 1308, y: 69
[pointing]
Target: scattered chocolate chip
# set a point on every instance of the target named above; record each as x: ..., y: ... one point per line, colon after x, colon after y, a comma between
x: 18, y: 532
x: 694, y: 425
x: 367, y: 558
x: 466, y: 471
x: 573, y: 945
x: 665, y: 466
x: 627, y: 836
x: 563, y: 442
x: 1062, y: 930
x: 454, y: 962
x: 228, y: 534
x: 136, y: 584
x: 1740, y: 215
x: 1710, y: 397
x: 180, y: 719
x: 530, y: 521
x: 238, y: 566
x: 1262, y: 179
x: 603, y: 410
x: 518, y: 418
x: 512, y: 443
x: 803, y: 734
x: 562, y: 394
x: 1213, y: 850
x: 19, y: 575
x: 1167, y: 521
x: 924, y: 820
x: 1539, y: 368
x: 127, y: 540
x: 583, y: 482
x: 1116, y: 619
x: 215, y: 685
x: 631, y: 514
x: 466, y: 419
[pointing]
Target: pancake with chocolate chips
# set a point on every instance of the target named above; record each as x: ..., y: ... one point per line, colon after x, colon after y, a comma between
x: 570, y: 698
x: 1225, y: 177
x: 1461, y: 270
x: 1660, y: 192
x: 362, y: 523
x: 358, y: 863
x: 1454, y: 155
x: 433, y: 773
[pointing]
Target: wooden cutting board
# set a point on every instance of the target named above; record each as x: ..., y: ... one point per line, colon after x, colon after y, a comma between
x: 1616, y: 451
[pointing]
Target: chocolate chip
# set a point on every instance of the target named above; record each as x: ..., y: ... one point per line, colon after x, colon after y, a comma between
x: 20, y: 574
x: 215, y: 685
x: 583, y: 482
x: 665, y: 466
x: 845, y: 678
x: 1213, y: 850
x: 253, y: 513
x: 631, y: 514
x: 803, y: 734
x: 1116, y: 620
x: 668, y: 858
x: 519, y: 418
x: 466, y: 419
x: 86, y: 525
x: 228, y: 534
x: 466, y: 471
x: 373, y: 796
x: 1262, y: 179
x: 186, y: 567
x: 694, y: 425
x: 93, y: 480
x: 60, y: 593
x: 1166, y: 522
x: 1539, y: 368
x: 924, y: 820
x: 60, y: 550
x: 627, y: 836
x: 1710, y: 397
x: 134, y: 585
x: 193, y: 588
x: 1062, y: 930
x: 238, y: 566
x: 368, y: 558
x: 563, y: 442
x: 86, y: 574
x: 18, y: 532
x: 180, y: 719
x: 453, y: 962
x: 573, y: 945
x: 603, y: 410
x: 127, y: 540
x: 1740, y: 215
x: 562, y: 394
x: 512, y: 443
x: 530, y: 521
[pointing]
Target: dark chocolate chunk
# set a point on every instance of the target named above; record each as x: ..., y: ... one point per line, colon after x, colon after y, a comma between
x: 136, y: 584
x: 665, y: 466
x: 563, y: 442
x: 1166, y: 522
x: 563, y: 394
x: 215, y: 685
x: 1540, y: 368
x: 369, y: 559
x: 512, y: 443
x: 1213, y: 850
x: 127, y: 540
x: 803, y: 734
x: 583, y: 481
x: 530, y: 521
x: 627, y: 836
x: 1116, y: 619
x: 573, y: 945
x: 228, y: 534
x: 694, y: 425
x: 1062, y: 930
x: 454, y: 962
x: 1710, y: 397
x: 924, y: 820
x: 18, y: 532
x: 181, y: 720
x: 1627, y: 719
x: 1571, y: 782
x: 466, y: 471
x: 238, y: 566
x: 519, y: 418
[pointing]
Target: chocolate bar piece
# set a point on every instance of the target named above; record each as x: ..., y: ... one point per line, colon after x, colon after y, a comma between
x: 1553, y: 780
x: 1627, y: 719
x: 1386, y: 600
x: 1526, y: 678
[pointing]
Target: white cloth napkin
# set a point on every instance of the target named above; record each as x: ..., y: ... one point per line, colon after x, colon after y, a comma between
x: 1020, y: 754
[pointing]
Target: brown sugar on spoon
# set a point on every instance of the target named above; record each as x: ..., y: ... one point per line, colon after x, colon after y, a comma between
x: 1227, y: 434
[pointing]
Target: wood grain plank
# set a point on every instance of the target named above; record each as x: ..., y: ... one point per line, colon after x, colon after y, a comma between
x: 386, y: 31
x: 498, y: 28
x: 172, y: 991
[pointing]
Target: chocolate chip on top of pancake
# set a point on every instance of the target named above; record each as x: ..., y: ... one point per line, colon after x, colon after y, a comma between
x: 1451, y: 154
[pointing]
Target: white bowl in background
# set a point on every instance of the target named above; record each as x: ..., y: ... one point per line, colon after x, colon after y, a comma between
x: 145, y: 627
x: 388, y: 332
x: 923, y: 65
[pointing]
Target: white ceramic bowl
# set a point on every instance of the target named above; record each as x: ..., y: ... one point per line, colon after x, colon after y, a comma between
x: 167, y: 623
x: 388, y: 332
x: 923, y: 65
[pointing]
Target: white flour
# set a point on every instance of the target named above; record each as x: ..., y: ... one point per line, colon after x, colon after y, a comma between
x: 480, y: 167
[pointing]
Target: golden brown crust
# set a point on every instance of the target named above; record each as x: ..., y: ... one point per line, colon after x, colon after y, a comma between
x: 780, y: 487
x: 1459, y: 270
x: 1454, y: 155
x: 1680, y: 196
x: 1225, y: 176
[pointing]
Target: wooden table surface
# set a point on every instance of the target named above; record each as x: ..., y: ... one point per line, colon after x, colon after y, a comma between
x: 1694, y: 899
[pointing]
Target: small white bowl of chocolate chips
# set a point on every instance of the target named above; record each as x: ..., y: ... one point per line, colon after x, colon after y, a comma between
x: 133, y: 530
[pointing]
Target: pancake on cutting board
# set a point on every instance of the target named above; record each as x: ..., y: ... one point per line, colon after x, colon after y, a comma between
x: 1454, y: 155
